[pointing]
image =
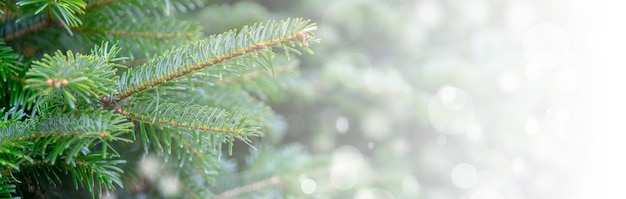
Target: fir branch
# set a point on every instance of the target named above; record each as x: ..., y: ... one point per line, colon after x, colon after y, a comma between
x: 89, y: 171
x: 74, y: 76
x: 68, y: 135
x: 207, y: 93
x: 218, y: 49
x: 202, y: 118
x: 6, y: 189
x: 140, y: 8
x: 146, y: 34
x: 246, y: 78
x: 100, y: 3
x: 64, y: 11
x: 13, y: 30
x: 272, y: 181
x: 8, y: 60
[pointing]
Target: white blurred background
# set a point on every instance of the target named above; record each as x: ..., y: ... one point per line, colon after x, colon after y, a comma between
x: 471, y: 99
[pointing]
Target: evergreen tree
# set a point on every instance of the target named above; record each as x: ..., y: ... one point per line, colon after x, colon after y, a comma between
x: 105, y: 98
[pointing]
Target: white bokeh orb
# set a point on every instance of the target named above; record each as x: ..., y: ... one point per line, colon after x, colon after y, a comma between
x: 486, y: 194
x: 347, y: 162
x: 429, y: 13
x: 475, y: 132
x: 451, y: 110
x: 464, y: 175
x: 376, y: 125
x: 373, y: 193
x: 168, y: 185
x: 308, y: 186
x: 342, y: 125
x: 410, y: 186
x: 150, y: 167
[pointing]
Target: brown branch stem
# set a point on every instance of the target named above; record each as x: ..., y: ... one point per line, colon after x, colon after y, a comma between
x: 275, y: 180
x: 205, y: 64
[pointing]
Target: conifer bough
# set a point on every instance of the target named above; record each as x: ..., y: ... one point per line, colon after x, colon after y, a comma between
x: 70, y: 108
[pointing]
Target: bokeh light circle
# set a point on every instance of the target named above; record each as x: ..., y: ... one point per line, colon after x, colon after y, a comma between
x: 486, y: 194
x: 376, y: 125
x: 451, y: 110
x: 464, y: 175
x: 373, y: 193
x: 308, y: 186
x: 410, y: 186
x: 346, y: 165
x: 342, y: 125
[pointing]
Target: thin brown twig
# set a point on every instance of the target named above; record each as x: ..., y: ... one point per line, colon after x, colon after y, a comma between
x: 275, y: 180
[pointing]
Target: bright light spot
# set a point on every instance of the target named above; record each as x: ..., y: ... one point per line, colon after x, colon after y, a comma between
x: 429, y: 13
x: 168, y: 185
x: 452, y: 97
x: 546, y: 45
x: 442, y: 140
x: 451, y: 110
x: 532, y: 126
x: 464, y: 175
x: 308, y: 186
x: 108, y: 195
x: 557, y: 117
x: 508, y: 82
x: 520, y: 16
x: 486, y: 194
x: 400, y: 147
x: 477, y: 12
x: 474, y: 132
x: 150, y: 167
x: 346, y: 164
x: 410, y: 186
x: 342, y: 124
x: 375, y: 193
x: 518, y: 165
x: 376, y: 126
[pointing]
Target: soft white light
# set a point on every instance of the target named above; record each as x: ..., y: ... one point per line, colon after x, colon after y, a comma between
x: 519, y: 16
x: 451, y: 110
x: 308, y: 186
x: 477, y: 12
x: 342, y: 124
x: 532, y: 126
x: 474, y: 132
x: 486, y: 194
x: 150, y: 167
x: 508, y: 82
x: 410, y: 186
x: 108, y: 195
x: 546, y: 45
x: 429, y: 13
x: 168, y: 185
x: 346, y: 165
x: 374, y: 193
x: 464, y: 175
x: 376, y: 125
x: 400, y: 147
x: 518, y: 165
